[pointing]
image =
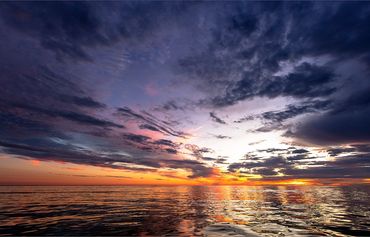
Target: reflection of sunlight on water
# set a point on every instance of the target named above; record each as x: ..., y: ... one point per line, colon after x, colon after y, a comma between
x: 184, y: 210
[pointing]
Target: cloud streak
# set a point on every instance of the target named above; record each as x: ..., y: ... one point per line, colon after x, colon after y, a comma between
x: 216, y: 119
x: 73, y: 76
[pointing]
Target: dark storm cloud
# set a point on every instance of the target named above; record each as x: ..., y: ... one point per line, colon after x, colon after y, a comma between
x: 255, y: 37
x: 47, y: 150
x: 41, y: 85
x: 294, y: 110
x: 362, y: 147
x: 354, y: 149
x: 41, y: 102
x: 216, y: 118
x: 329, y: 172
x: 291, y: 49
x: 352, y: 166
x: 39, y: 130
x: 17, y: 126
x: 265, y: 34
x: 247, y: 50
x: 151, y: 122
x: 306, y: 81
x: 337, y: 151
x: 50, y: 92
x: 63, y: 27
x: 62, y: 124
x: 48, y: 113
x: 346, y: 122
x: 68, y: 115
x: 276, y: 120
x: 71, y: 28
x: 288, y: 163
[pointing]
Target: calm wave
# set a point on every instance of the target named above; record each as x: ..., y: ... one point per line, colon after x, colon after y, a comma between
x: 186, y: 211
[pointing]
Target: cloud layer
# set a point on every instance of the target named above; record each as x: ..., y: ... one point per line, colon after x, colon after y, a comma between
x: 75, y: 79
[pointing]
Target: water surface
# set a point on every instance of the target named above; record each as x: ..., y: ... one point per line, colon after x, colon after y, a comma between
x: 184, y: 210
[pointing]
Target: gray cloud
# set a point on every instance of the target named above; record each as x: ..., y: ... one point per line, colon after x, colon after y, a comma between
x: 151, y: 122
x: 264, y: 50
x: 69, y: 29
x: 294, y: 110
x: 345, y: 122
x: 216, y: 118
x: 243, y: 51
x: 68, y: 115
x: 222, y: 137
x: 306, y: 81
x: 351, y: 163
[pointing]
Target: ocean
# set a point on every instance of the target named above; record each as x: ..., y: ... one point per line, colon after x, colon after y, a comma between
x: 185, y: 210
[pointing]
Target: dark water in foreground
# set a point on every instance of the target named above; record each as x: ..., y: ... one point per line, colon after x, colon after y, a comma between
x: 186, y: 211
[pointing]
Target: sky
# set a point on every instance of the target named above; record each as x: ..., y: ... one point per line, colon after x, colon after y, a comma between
x: 184, y: 93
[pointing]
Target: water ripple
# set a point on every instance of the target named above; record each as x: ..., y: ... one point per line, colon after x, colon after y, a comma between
x: 184, y: 211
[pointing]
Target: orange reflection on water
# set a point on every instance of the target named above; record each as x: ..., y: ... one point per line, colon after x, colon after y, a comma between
x: 181, y: 210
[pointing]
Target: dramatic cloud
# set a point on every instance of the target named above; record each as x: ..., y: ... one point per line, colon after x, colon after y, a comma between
x: 353, y: 163
x: 69, y: 115
x: 346, y: 122
x: 71, y: 28
x: 294, y: 110
x: 286, y: 49
x: 191, y: 86
x: 307, y: 81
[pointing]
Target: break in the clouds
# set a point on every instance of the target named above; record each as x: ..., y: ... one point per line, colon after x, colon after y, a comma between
x: 259, y: 89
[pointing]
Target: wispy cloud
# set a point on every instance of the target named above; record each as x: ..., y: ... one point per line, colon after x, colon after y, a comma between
x: 227, y: 71
x: 216, y: 118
